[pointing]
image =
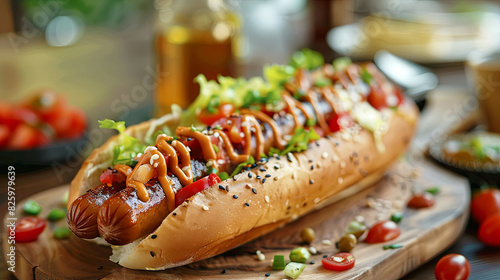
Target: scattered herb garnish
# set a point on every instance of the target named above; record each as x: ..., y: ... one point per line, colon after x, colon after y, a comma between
x: 397, y: 217
x: 434, y: 190
x: 242, y: 165
x: 298, y: 142
x: 392, y: 246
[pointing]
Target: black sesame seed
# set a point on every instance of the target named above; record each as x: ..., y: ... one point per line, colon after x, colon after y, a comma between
x: 254, y: 190
x: 276, y: 167
x: 317, y: 143
x: 110, y: 168
x: 267, y: 175
x: 328, y: 137
x: 247, y: 204
x: 152, y: 254
x: 258, y: 177
x: 278, y: 157
x: 234, y: 178
x: 312, y: 262
x: 175, y: 214
x: 222, y: 187
x: 114, y: 171
x: 311, y: 181
x: 312, y: 167
x: 223, y: 271
x: 263, y: 180
x: 262, y: 169
x: 324, y: 256
x: 310, y: 160
x: 235, y: 196
x: 209, y: 128
x: 254, y: 165
x: 337, y: 143
x: 227, y: 188
x: 267, y: 274
x: 248, y: 168
x: 289, y: 207
x: 249, y: 175
x: 288, y: 157
x: 153, y: 236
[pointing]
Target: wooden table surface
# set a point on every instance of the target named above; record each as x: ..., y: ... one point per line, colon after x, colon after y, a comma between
x: 450, y: 95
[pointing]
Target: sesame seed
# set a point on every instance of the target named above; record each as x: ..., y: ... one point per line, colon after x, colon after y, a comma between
x: 340, y: 180
x: 267, y: 274
x: 175, y: 214
x: 223, y: 271
x: 324, y: 155
x: 276, y: 167
x: 266, y: 198
x: 235, y: 196
x: 317, y: 143
x: 263, y: 180
x: 205, y: 208
x: 289, y: 157
x: 324, y: 256
x: 312, y: 167
x: 326, y: 242
x: 278, y: 157
x: 293, y: 175
x: 311, y: 181
x: 261, y: 257
x: 310, y: 160
x: 312, y: 262
x: 254, y: 190
x: 258, y: 177
x: 313, y: 250
x: 247, y: 204
x: 153, y: 236
x: 262, y: 169
x: 227, y: 188
x: 222, y: 187
x: 249, y: 175
x: 276, y: 178
x: 152, y: 254
x: 234, y: 178
x: 267, y: 175
x: 338, y: 259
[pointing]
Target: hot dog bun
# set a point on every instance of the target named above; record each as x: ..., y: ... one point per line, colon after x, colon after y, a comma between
x: 214, y: 221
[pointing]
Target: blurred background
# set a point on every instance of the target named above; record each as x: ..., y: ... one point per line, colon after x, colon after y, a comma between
x: 131, y: 60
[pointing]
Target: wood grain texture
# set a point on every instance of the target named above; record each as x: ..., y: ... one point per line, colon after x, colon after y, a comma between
x: 425, y: 233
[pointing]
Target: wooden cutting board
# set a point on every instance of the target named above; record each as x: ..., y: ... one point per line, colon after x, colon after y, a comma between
x: 425, y: 233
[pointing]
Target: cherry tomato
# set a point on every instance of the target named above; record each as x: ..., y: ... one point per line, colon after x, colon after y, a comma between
x: 110, y: 176
x: 383, y: 231
x: 224, y: 110
x: 13, y: 116
x: 340, y: 121
x: 26, y: 137
x: 452, y: 267
x: 4, y: 135
x: 339, y: 262
x: 29, y: 228
x: 422, y: 200
x: 489, y: 231
x: 47, y: 104
x: 485, y: 203
x: 196, y: 187
x: 77, y: 123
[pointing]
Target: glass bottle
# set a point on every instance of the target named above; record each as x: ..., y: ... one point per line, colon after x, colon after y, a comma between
x: 194, y: 36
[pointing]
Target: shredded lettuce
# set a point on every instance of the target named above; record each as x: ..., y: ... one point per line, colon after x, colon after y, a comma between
x: 129, y: 147
x: 278, y: 75
x: 242, y: 165
x: 307, y: 58
x: 341, y: 63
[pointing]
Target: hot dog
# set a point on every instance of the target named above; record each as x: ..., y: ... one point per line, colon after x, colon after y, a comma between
x: 359, y: 114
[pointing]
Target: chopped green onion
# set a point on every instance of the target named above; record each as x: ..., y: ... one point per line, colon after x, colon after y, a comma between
x: 366, y: 76
x: 434, y: 190
x: 32, y: 208
x: 216, y: 149
x: 62, y: 233
x: 300, y: 255
x: 279, y: 262
x: 392, y: 246
x: 223, y: 176
x: 310, y: 122
x: 397, y: 217
x: 293, y: 270
x: 56, y: 215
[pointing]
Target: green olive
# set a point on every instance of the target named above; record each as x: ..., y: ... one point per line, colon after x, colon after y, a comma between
x: 356, y: 228
x: 307, y: 235
x: 347, y: 242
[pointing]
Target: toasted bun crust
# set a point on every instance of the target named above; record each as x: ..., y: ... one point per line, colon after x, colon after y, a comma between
x: 214, y: 221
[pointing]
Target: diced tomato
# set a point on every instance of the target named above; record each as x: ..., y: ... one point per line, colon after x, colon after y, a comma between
x: 340, y: 121
x: 29, y: 228
x: 4, y: 135
x: 195, y: 187
x: 224, y: 110
x: 339, y: 262
x: 383, y: 231
x: 377, y: 97
x: 110, y: 176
